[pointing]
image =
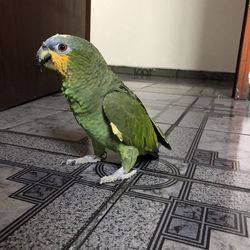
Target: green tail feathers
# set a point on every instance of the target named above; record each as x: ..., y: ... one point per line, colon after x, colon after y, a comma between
x: 160, y: 136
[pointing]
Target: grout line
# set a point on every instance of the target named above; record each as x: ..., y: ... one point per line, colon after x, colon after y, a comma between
x: 198, y: 135
x: 192, y: 180
x: 37, y: 118
x: 41, y: 137
x: 172, y: 127
x: 41, y: 150
x: 226, y: 132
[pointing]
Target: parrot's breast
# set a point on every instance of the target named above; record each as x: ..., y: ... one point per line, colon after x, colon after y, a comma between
x: 91, y: 120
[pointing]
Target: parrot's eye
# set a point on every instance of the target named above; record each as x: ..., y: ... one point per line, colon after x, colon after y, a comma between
x: 62, y: 47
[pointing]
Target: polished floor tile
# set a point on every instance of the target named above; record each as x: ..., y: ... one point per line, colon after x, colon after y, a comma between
x: 21, y: 115
x: 229, y: 122
x: 196, y: 196
x: 61, y: 125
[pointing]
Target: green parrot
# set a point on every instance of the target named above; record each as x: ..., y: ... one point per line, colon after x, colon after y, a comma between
x: 109, y: 112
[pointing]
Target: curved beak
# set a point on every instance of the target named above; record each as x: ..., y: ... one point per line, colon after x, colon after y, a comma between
x: 43, y: 56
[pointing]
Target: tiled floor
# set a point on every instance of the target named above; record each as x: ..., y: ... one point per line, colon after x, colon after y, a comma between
x: 196, y: 196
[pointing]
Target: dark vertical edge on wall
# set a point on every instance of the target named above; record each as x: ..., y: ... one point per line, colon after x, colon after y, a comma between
x: 87, y: 20
x: 240, y: 47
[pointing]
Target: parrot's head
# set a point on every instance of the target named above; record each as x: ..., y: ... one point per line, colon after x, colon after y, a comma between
x: 64, y: 53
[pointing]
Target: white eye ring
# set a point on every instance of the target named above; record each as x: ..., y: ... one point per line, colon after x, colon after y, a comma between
x: 62, y: 48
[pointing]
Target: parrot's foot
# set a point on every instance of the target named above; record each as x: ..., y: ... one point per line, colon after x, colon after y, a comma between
x: 82, y: 160
x: 117, y: 175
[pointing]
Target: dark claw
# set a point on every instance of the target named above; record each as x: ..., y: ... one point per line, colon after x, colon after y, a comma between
x: 104, y: 155
x: 73, y: 163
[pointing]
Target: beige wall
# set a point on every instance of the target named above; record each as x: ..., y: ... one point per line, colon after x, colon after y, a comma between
x: 176, y: 34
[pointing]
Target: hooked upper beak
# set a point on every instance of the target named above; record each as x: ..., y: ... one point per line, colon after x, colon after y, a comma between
x: 43, y: 56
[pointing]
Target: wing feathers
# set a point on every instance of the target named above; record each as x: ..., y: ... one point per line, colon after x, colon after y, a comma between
x: 131, y: 121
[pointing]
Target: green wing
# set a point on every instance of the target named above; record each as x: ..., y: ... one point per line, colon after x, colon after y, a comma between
x: 130, y: 121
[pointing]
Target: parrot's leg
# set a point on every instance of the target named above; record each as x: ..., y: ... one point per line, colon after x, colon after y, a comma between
x: 128, y: 156
x: 99, y: 153
x: 117, y: 175
x: 82, y: 160
x: 99, y: 149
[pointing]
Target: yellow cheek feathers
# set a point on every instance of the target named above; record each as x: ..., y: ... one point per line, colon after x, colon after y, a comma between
x: 60, y: 62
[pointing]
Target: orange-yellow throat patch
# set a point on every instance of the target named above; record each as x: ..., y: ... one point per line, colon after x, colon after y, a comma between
x: 60, y: 62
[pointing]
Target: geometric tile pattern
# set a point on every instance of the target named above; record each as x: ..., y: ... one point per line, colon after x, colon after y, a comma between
x: 181, y: 198
x: 40, y: 185
x: 211, y: 158
x: 191, y: 223
x: 182, y: 220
